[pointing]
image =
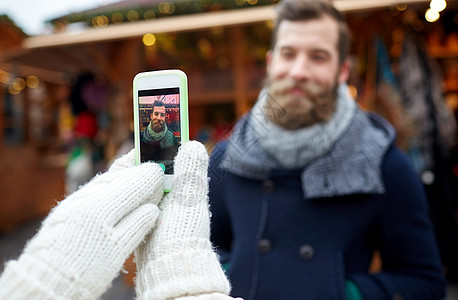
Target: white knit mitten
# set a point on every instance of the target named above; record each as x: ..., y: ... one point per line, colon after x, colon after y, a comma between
x: 177, y: 259
x: 85, y: 240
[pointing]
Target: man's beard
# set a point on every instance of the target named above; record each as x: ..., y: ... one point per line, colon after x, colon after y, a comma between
x: 293, y: 112
x: 158, y: 126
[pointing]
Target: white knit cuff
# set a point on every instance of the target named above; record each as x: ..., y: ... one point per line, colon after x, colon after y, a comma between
x: 28, y: 278
x: 185, y: 273
x: 17, y: 283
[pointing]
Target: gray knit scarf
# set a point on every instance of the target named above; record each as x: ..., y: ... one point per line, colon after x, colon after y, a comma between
x: 152, y: 136
x: 296, y: 148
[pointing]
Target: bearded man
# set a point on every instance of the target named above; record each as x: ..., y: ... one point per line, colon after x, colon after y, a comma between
x: 157, y: 131
x: 157, y: 142
x: 308, y: 187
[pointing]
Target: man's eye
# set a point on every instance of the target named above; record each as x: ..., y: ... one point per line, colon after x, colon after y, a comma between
x: 287, y: 54
x: 319, y: 57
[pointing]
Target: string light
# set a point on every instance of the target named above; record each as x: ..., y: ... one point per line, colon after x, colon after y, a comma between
x: 161, y: 8
x: 132, y: 15
x: 149, y: 14
x: 100, y: 21
x: 431, y: 15
x: 19, y: 83
x: 401, y: 7
x: 32, y: 81
x: 12, y: 90
x: 438, y: 5
x: 5, y: 77
x: 117, y: 17
x: 149, y: 39
x: 166, y: 8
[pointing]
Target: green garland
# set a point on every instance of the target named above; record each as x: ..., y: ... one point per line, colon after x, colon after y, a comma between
x: 156, y: 10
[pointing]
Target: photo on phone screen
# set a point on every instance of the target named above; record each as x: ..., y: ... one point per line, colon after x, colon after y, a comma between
x: 160, y: 132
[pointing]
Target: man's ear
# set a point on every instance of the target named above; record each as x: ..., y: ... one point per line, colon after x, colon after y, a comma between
x: 344, y: 72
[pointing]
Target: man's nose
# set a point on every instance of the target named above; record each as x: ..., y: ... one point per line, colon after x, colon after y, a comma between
x: 300, y: 69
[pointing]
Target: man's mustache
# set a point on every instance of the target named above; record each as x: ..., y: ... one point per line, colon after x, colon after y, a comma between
x: 285, y: 86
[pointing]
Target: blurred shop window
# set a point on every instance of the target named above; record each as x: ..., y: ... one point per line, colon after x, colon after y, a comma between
x: 88, y: 100
x: 12, y: 120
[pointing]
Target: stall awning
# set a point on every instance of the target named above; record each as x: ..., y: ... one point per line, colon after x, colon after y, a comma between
x: 69, y: 52
x: 189, y: 23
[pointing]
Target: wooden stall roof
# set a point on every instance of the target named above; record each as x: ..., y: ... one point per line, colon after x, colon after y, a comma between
x: 189, y: 23
x: 52, y: 53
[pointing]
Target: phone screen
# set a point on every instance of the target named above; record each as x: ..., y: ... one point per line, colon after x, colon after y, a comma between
x: 160, y: 132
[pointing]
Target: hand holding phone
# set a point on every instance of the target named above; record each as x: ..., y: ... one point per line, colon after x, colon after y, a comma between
x: 160, y: 118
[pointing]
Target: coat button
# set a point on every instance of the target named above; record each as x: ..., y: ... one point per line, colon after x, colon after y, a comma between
x: 306, y: 252
x: 268, y: 186
x: 264, y: 246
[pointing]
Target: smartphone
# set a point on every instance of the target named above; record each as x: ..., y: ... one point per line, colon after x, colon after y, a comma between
x: 160, y: 118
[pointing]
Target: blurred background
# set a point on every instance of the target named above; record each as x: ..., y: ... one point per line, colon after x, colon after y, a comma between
x: 66, y: 90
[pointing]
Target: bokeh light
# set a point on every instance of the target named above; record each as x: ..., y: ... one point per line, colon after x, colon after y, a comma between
x: 132, y: 15
x: 17, y: 86
x: 12, y: 90
x: 149, y: 14
x: 5, y: 77
x: 438, y: 5
x: 431, y: 15
x: 149, y: 39
x: 20, y: 83
x: 401, y: 7
x: 117, y: 17
x: 100, y: 21
x: 32, y: 81
x: 166, y: 8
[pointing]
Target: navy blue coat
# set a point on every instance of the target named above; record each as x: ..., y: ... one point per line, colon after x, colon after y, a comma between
x: 282, y: 245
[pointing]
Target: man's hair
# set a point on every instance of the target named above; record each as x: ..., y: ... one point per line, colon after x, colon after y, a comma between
x: 157, y: 103
x: 305, y: 10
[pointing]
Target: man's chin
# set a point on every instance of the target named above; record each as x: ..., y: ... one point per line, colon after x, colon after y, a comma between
x: 294, y: 121
x: 158, y: 129
x: 295, y: 105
